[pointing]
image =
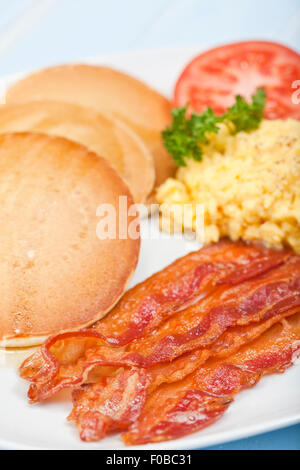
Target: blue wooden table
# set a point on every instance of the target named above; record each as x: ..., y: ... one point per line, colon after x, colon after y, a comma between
x: 35, y: 33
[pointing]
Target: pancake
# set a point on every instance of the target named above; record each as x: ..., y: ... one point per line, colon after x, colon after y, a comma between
x: 56, y: 273
x: 102, y: 88
x: 108, y: 137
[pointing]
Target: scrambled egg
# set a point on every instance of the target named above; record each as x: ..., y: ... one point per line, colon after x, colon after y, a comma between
x: 249, y: 185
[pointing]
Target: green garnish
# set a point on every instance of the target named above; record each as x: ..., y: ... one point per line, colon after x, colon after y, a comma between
x: 184, y: 137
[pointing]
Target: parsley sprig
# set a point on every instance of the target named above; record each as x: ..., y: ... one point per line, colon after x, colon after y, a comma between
x: 185, y: 137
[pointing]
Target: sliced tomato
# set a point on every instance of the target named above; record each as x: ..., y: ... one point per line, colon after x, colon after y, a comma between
x: 215, y: 77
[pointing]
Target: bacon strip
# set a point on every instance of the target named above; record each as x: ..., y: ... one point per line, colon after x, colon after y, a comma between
x: 200, y: 325
x: 273, y: 293
x: 109, y: 405
x: 144, y: 307
x: 176, y: 410
x: 94, y: 405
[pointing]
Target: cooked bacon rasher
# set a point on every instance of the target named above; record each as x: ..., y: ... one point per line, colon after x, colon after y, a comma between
x: 114, y: 403
x: 185, y: 281
x: 199, y: 325
x: 203, y: 307
x: 199, y: 400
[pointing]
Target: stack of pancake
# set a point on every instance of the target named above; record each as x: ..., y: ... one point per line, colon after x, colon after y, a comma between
x: 72, y: 138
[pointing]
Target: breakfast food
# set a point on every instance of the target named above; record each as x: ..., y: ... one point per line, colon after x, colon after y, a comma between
x: 176, y: 287
x: 137, y: 388
x: 248, y: 184
x: 206, y: 305
x: 244, y: 171
x: 202, y: 398
x: 216, y: 76
x: 104, y: 89
x: 56, y: 273
x: 107, y: 136
x: 172, y: 352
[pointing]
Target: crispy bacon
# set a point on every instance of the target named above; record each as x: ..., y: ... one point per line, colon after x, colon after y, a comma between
x: 228, y: 343
x: 93, y: 408
x: 109, y: 405
x: 176, y: 344
x: 184, y: 281
x: 187, y: 406
x: 201, y: 324
x: 198, y: 326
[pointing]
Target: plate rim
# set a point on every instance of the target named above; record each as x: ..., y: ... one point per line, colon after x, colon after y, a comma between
x: 238, y: 434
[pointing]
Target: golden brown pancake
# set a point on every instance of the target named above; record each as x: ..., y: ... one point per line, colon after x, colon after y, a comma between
x: 108, y: 137
x: 56, y: 274
x: 102, y: 88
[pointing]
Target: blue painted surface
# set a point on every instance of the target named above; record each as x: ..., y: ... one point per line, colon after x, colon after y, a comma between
x: 9, y: 11
x: 73, y: 29
x: 77, y: 28
x: 284, y: 439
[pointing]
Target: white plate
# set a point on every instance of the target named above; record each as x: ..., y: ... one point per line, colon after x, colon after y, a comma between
x: 273, y: 403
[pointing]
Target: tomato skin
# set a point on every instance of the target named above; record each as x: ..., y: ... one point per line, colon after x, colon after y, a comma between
x: 216, y: 76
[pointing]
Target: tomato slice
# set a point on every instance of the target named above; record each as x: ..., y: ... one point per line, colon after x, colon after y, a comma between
x: 215, y: 77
